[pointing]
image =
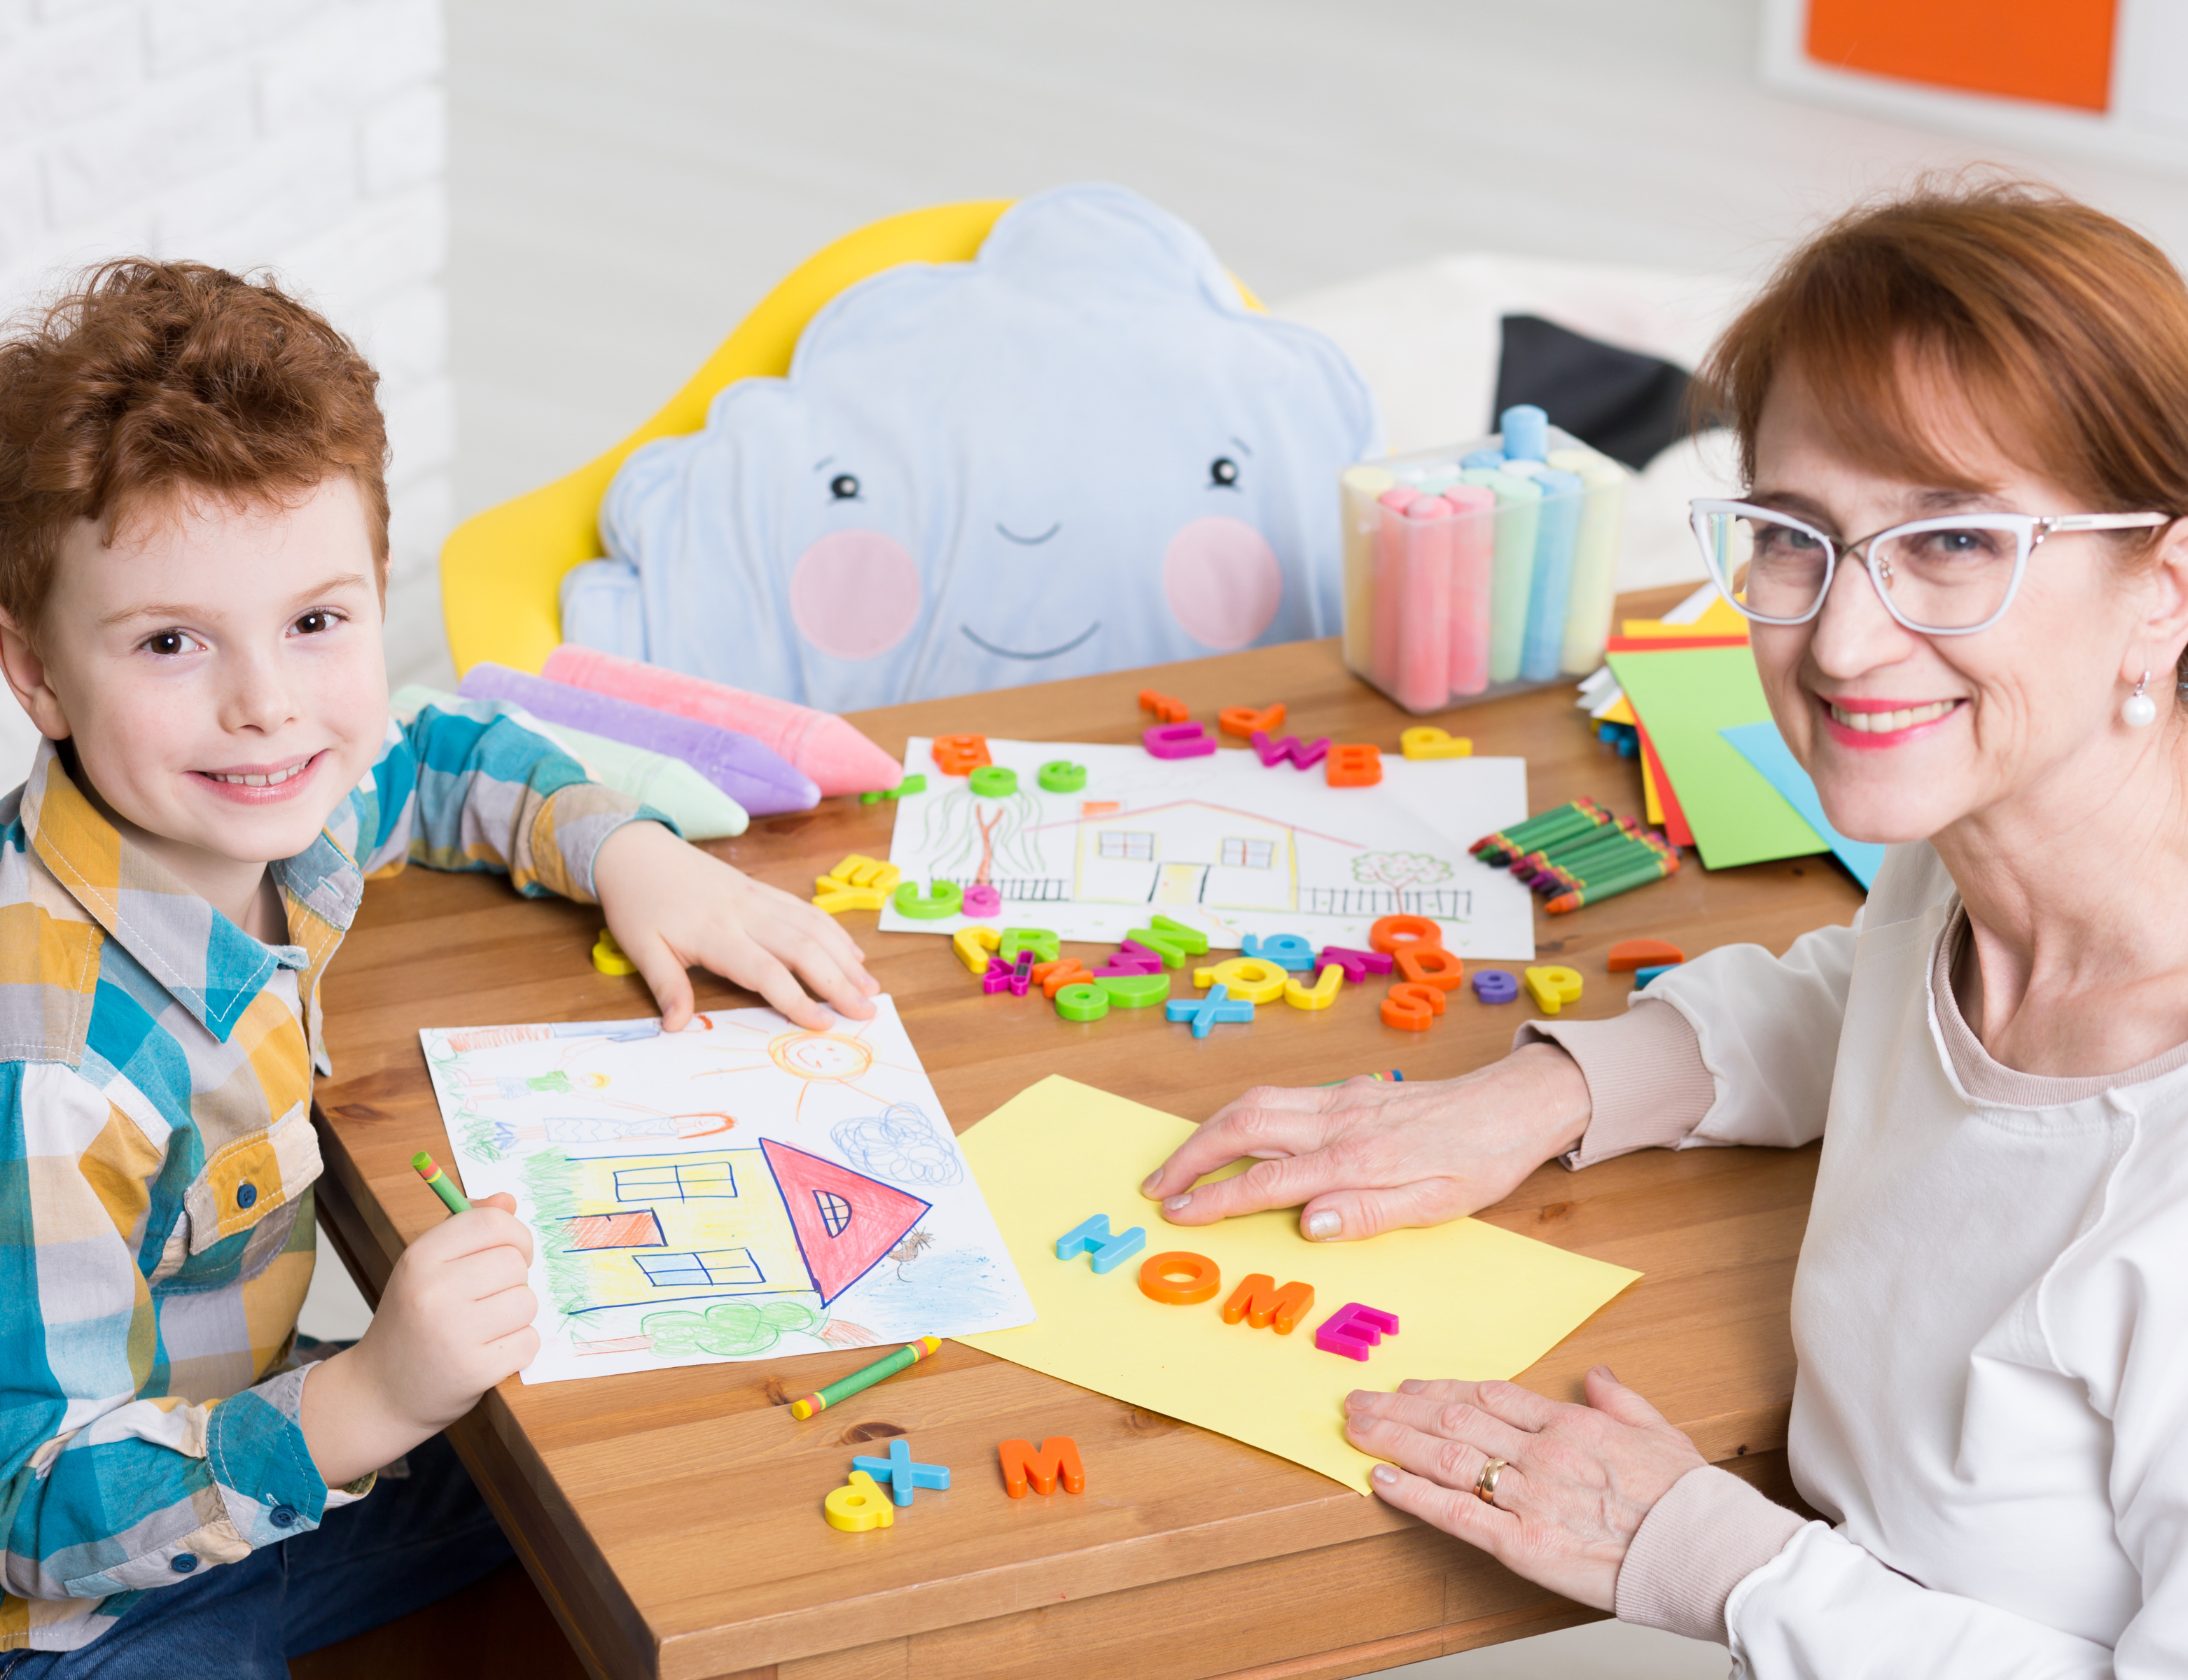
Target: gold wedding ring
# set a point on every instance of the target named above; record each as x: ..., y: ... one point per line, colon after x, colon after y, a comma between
x: 1485, y: 1484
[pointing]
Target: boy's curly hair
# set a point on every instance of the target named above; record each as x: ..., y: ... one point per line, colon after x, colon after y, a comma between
x: 149, y: 380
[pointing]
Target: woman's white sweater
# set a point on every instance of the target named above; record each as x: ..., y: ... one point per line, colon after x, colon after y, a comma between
x: 1991, y: 1314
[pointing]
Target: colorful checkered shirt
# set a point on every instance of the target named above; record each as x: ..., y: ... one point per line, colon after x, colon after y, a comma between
x: 157, y: 1157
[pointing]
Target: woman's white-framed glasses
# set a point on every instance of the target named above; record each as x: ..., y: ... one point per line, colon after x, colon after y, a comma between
x: 1946, y: 577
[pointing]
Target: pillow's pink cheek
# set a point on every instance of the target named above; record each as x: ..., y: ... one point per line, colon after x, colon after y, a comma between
x: 1223, y: 582
x: 854, y: 593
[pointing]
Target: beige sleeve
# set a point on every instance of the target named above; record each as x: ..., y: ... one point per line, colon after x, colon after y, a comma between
x: 1646, y: 1079
x: 1701, y: 1540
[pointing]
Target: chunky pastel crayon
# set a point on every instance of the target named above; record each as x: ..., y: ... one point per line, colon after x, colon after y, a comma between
x: 823, y: 746
x: 756, y: 776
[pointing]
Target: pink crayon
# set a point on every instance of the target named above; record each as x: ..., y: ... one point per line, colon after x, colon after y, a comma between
x: 835, y: 756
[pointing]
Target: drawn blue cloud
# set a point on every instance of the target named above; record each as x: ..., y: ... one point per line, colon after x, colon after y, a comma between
x: 1077, y: 452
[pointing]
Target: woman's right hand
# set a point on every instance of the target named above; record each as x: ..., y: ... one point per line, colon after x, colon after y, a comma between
x: 1374, y: 1155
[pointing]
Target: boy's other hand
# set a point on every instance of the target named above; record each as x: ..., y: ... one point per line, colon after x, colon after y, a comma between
x: 671, y: 906
x: 454, y: 1319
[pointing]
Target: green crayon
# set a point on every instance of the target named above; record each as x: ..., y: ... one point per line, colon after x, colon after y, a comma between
x: 437, y: 1182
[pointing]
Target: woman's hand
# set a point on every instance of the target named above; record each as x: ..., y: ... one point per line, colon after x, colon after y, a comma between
x: 671, y: 906
x: 1577, y: 1482
x: 1372, y: 1155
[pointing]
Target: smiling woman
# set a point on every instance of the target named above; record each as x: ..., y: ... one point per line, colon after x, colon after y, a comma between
x: 1964, y: 420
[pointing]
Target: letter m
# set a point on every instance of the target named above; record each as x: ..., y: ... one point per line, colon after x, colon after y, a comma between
x: 1058, y: 1457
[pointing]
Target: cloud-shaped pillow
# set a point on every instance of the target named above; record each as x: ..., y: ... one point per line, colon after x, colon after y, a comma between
x: 1078, y: 453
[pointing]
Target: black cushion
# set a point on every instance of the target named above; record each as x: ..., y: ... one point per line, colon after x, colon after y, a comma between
x: 1629, y: 405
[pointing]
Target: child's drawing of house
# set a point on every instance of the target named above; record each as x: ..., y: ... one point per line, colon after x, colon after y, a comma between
x: 1187, y: 852
x: 652, y: 1229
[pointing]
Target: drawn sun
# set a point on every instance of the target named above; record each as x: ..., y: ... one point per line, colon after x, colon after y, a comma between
x: 820, y: 1055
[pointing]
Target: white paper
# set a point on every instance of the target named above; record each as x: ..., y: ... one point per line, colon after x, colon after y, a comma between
x: 744, y: 1189
x: 1222, y: 843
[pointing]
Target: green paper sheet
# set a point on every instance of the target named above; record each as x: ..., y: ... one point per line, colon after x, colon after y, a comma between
x: 1684, y: 696
x: 1472, y: 1300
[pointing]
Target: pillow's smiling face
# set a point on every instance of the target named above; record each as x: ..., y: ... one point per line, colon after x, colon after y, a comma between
x: 1074, y: 455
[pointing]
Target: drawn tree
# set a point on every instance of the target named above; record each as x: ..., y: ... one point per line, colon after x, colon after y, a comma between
x: 1399, y: 869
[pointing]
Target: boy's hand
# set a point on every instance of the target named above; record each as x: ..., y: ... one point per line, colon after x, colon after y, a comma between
x: 454, y: 1319
x: 671, y: 906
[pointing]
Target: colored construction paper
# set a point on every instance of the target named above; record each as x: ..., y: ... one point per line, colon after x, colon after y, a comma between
x: 1684, y: 698
x: 1471, y: 1300
x: 1663, y: 802
x: 1721, y: 620
x: 1762, y: 746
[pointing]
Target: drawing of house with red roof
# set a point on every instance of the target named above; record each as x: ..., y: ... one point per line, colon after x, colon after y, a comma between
x: 647, y: 1230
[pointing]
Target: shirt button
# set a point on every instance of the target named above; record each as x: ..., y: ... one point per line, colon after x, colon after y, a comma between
x: 245, y: 1195
x: 284, y: 1516
x: 182, y: 1562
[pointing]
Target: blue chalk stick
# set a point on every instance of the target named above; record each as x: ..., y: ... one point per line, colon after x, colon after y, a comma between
x: 1527, y: 432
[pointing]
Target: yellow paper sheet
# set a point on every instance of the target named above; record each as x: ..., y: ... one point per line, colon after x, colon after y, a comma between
x: 1719, y: 619
x: 1472, y: 1300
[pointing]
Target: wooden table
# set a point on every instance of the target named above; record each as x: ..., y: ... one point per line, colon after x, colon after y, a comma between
x: 673, y: 1520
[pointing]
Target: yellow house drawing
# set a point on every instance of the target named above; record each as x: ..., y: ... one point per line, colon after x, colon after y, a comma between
x: 647, y: 1230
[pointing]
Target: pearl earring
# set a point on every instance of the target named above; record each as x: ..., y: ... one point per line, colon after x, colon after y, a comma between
x: 2140, y: 711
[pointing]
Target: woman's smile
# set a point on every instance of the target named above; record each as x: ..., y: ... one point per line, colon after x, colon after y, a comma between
x: 1872, y: 723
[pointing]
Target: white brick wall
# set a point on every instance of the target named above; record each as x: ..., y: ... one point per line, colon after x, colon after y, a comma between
x: 305, y: 136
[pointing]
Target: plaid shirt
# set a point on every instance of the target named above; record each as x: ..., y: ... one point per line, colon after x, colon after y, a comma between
x: 157, y: 1157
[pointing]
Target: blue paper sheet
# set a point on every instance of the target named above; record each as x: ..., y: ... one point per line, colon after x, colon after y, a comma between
x: 1762, y: 746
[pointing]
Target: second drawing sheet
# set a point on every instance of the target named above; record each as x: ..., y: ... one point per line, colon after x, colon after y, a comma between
x: 1222, y: 843
x: 744, y: 1189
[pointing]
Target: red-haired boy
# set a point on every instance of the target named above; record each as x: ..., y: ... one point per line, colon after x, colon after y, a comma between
x: 193, y: 557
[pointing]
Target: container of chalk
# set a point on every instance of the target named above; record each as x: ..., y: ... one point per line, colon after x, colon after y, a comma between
x: 1483, y: 569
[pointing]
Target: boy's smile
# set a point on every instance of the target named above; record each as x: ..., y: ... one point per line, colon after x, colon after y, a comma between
x: 217, y: 674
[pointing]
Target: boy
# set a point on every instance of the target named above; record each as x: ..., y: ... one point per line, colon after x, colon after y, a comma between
x: 192, y: 559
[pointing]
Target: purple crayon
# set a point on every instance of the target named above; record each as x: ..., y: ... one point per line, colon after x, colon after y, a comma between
x: 822, y: 745
x: 756, y: 778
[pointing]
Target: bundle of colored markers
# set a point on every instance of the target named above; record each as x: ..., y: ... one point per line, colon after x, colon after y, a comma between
x: 1578, y: 854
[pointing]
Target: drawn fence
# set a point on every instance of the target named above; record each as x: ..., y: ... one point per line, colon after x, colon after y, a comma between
x: 1444, y: 903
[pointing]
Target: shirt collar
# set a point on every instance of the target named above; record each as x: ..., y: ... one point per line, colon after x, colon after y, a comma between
x: 208, y: 964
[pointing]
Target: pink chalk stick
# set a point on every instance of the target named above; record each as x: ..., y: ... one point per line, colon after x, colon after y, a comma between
x: 1352, y: 1329
x: 1179, y: 740
x: 1274, y: 753
x: 1421, y: 680
x: 835, y: 756
x: 1471, y: 549
x: 1357, y: 964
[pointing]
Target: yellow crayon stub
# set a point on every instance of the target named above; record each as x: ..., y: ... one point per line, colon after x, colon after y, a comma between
x: 1425, y: 740
x: 859, y: 1504
x: 608, y: 957
x: 1322, y: 995
x: 1246, y: 977
x: 1552, y: 988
